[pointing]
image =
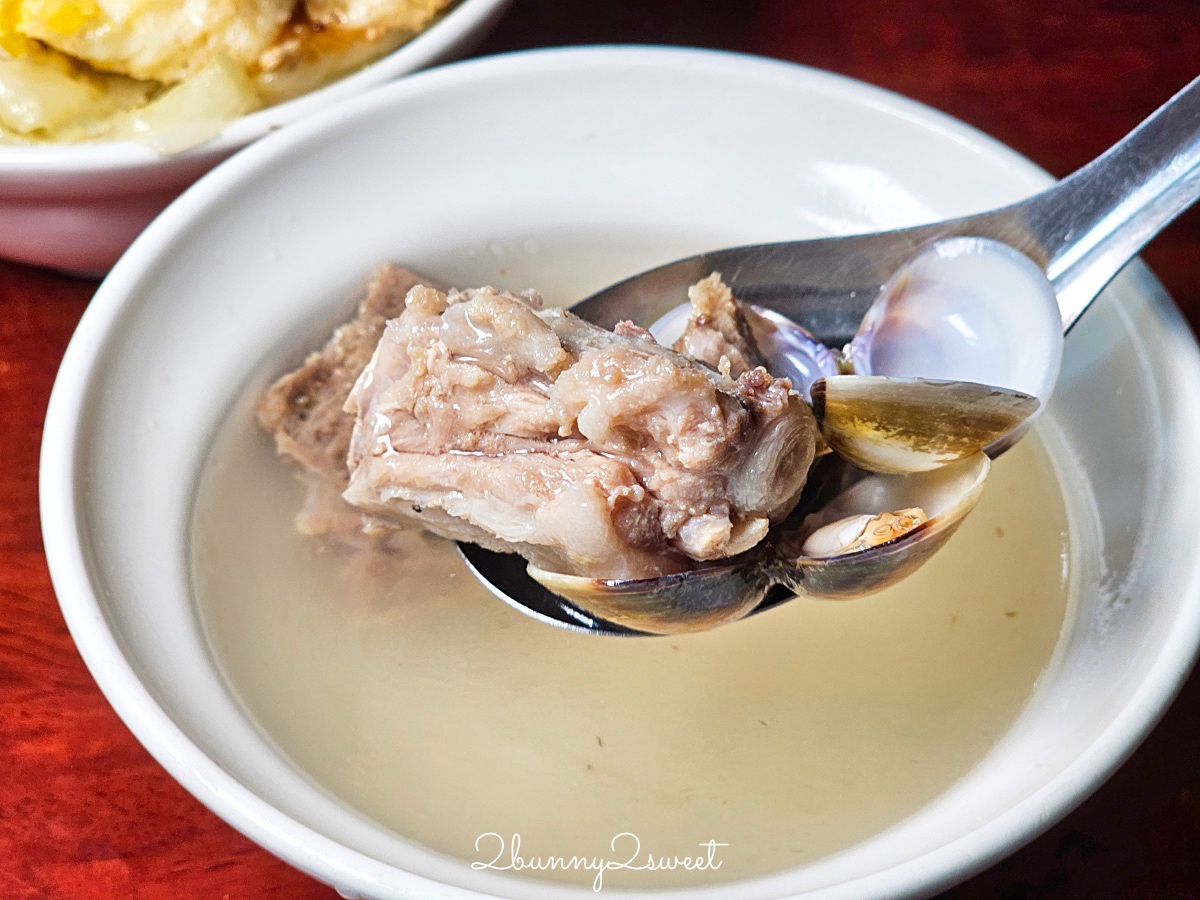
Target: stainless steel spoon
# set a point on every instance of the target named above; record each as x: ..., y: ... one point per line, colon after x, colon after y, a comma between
x: 1082, y: 232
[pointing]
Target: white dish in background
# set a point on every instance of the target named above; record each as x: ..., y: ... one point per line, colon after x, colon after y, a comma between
x: 77, y: 207
x: 480, y: 170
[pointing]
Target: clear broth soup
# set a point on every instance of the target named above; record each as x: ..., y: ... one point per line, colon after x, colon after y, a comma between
x: 403, y: 687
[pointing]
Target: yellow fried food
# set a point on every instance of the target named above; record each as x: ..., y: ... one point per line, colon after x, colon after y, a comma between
x: 172, y: 73
x: 43, y: 92
x: 38, y: 93
x: 192, y: 111
x: 12, y: 42
x: 308, y: 55
x: 163, y: 40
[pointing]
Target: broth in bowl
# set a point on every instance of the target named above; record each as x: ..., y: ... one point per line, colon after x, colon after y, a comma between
x: 396, y: 681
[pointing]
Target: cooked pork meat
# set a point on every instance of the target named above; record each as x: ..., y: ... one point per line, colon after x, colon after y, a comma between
x: 480, y: 416
x: 304, y: 409
x: 483, y: 417
x: 718, y: 331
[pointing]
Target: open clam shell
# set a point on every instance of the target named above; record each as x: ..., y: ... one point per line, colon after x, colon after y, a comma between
x: 791, y: 351
x: 945, y: 495
x: 714, y: 595
x: 965, y: 309
x: 670, y: 604
x: 906, y: 425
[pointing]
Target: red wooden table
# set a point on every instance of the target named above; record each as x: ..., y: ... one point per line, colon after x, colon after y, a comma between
x: 86, y: 813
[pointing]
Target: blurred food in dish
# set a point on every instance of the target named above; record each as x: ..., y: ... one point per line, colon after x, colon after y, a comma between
x: 172, y: 75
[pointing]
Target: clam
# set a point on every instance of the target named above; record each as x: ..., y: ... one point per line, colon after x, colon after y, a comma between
x: 904, y: 425
x: 965, y: 309
x: 833, y: 553
x: 951, y: 364
x: 918, y: 512
x: 696, y: 600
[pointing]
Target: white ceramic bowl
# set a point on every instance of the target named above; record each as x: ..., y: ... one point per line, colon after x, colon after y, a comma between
x: 643, y: 155
x: 78, y: 207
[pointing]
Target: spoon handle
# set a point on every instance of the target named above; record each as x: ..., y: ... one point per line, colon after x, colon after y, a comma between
x: 1082, y: 231
x: 1097, y: 219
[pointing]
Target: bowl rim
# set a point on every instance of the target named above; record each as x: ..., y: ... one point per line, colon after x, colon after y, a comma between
x: 350, y: 870
x: 426, y: 48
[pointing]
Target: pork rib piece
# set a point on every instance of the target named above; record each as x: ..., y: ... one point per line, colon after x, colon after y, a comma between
x: 304, y: 409
x: 483, y: 417
x: 718, y: 330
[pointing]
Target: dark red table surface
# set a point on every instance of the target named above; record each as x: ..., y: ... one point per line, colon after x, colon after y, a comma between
x: 86, y: 813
